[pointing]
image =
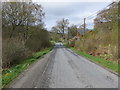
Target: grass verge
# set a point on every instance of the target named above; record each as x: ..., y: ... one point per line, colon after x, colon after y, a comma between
x: 11, y: 73
x: 105, y: 63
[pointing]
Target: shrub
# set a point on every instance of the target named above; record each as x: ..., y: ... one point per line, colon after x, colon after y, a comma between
x: 79, y: 45
x: 12, y: 52
x: 72, y: 44
x: 90, y: 45
x: 38, y: 41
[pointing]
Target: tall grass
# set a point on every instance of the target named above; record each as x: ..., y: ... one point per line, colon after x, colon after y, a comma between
x: 103, y: 43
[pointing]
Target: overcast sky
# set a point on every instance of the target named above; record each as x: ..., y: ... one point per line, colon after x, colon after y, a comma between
x: 74, y: 11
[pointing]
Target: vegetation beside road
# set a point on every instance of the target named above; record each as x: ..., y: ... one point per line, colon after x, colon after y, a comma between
x: 23, y: 35
x: 99, y: 44
x: 10, y: 74
x: 105, y: 63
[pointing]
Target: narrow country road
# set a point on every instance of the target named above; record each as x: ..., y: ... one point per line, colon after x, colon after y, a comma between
x: 62, y: 68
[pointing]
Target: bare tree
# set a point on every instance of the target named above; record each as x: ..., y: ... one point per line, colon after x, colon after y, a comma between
x: 62, y: 27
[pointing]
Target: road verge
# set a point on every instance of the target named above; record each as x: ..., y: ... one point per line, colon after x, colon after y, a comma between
x: 10, y: 74
x: 109, y: 65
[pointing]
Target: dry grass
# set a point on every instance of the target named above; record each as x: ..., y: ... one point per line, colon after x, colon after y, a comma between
x: 101, y: 44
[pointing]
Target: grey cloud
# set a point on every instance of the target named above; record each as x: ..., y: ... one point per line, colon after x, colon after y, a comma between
x: 74, y: 11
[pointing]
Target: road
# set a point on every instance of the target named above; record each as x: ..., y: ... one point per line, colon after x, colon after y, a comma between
x: 62, y: 68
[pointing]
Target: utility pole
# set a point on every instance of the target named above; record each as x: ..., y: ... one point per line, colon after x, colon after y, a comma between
x: 84, y: 26
x: 84, y: 34
x: 118, y: 34
x: 68, y: 35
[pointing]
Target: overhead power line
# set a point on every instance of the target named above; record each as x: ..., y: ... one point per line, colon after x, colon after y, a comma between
x: 100, y: 10
x: 92, y: 16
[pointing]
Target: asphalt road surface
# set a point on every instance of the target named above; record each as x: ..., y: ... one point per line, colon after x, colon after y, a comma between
x: 62, y: 68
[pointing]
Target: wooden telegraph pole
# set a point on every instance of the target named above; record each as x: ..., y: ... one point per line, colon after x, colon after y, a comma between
x: 84, y: 34
x: 68, y: 35
x: 84, y: 26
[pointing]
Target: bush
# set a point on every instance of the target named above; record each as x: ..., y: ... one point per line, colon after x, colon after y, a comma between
x: 79, y: 45
x: 90, y: 45
x: 38, y: 41
x: 13, y: 51
x: 72, y: 44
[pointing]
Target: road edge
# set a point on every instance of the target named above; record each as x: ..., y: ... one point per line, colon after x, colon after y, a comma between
x: 95, y: 63
x: 26, y: 70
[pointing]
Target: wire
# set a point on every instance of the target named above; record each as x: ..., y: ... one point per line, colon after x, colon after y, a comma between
x: 101, y: 10
x: 92, y: 16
